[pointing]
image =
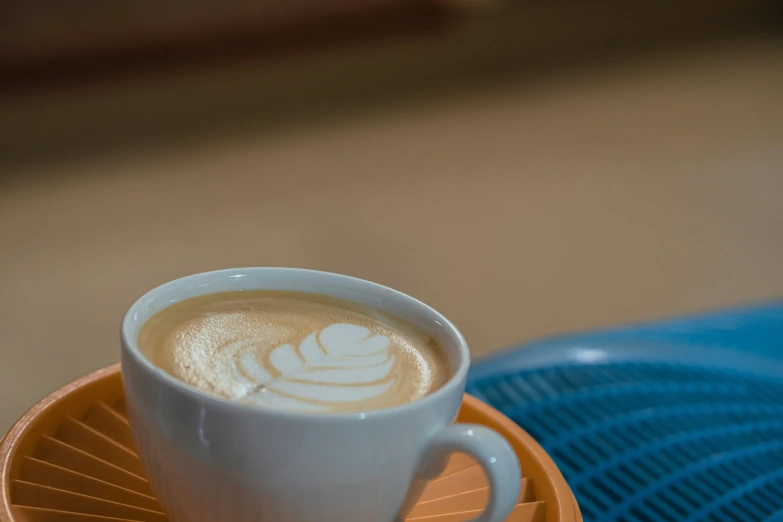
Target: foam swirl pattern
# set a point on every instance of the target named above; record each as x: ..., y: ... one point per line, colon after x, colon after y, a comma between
x: 343, y: 363
x: 293, y: 351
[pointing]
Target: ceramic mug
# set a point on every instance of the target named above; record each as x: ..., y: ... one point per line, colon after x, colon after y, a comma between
x: 210, y: 459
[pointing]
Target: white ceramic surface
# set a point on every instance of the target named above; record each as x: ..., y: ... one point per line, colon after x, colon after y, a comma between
x: 210, y: 459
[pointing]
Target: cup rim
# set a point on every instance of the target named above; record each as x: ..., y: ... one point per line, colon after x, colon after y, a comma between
x: 129, y: 347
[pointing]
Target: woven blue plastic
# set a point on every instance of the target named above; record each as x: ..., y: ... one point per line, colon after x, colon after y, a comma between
x: 675, y: 421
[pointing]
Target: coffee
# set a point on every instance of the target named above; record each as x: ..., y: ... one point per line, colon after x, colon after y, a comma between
x: 294, y: 351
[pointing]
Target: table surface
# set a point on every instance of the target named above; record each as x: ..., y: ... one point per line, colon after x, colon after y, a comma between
x: 588, y: 198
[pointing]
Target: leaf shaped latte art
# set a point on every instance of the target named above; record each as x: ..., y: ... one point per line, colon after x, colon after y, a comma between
x: 340, y: 364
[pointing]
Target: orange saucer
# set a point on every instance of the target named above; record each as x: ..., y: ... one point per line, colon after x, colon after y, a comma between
x: 71, y: 458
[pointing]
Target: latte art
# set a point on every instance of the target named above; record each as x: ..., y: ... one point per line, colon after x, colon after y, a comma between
x: 340, y: 364
x: 293, y: 351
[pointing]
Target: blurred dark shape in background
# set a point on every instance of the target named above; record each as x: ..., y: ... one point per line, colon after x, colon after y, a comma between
x: 527, y: 167
x: 260, y: 64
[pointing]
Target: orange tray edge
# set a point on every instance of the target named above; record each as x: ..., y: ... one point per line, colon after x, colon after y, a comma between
x: 77, y: 397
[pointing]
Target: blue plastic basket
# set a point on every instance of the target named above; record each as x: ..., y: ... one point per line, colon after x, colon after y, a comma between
x: 675, y: 421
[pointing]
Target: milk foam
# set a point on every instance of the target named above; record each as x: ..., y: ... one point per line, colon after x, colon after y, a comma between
x: 293, y: 353
x: 339, y: 364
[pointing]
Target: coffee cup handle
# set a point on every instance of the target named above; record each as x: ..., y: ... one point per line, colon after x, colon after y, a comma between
x: 492, y: 452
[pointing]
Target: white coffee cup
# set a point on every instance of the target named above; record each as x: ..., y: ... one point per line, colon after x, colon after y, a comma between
x: 209, y: 459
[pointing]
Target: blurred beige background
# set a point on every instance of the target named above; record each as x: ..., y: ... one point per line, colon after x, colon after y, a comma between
x: 588, y: 197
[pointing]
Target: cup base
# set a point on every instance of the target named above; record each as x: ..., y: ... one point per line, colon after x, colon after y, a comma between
x: 71, y: 458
